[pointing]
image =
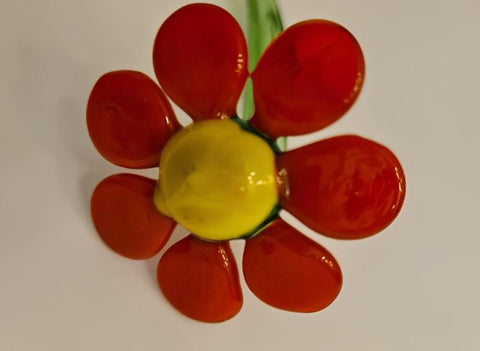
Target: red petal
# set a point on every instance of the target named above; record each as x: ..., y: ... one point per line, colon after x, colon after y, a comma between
x: 345, y: 187
x: 200, y: 279
x: 126, y: 218
x: 306, y: 79
x: 129, y: 119
x: 200, y: 59
x: 287, y: 270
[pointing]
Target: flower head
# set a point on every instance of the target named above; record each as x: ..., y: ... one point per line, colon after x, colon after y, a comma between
x: 223, y: 179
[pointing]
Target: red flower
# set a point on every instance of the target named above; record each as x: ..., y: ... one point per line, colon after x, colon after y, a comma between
x: 345, y: 187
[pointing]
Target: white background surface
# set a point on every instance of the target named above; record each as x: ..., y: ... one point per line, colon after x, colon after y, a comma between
x: 416, y: 286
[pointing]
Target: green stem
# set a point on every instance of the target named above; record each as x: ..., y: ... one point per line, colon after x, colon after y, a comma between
x: 264, y: 23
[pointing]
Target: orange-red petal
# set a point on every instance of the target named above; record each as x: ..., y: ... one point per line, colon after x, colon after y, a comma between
x: 200, y: 59
x: 345, y: 187
x: 125, y: 217
x: 200, y: 279
x: 287, y: 270
x: 306, y: 79
x: 129, y: 119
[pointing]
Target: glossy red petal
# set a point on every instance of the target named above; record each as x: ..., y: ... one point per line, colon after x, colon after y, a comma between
x: 345, y: 187
x: 200, y: 59
x: 306, y: 79
x: 287, y: 270
x: 129, y: 119
x: 200, y: 279
x: 125, y: 217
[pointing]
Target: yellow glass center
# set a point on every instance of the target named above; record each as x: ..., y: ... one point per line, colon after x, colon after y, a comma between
x: 217, y: 180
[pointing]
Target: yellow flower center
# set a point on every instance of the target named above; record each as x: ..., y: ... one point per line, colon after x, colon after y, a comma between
x: 217, y: 180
